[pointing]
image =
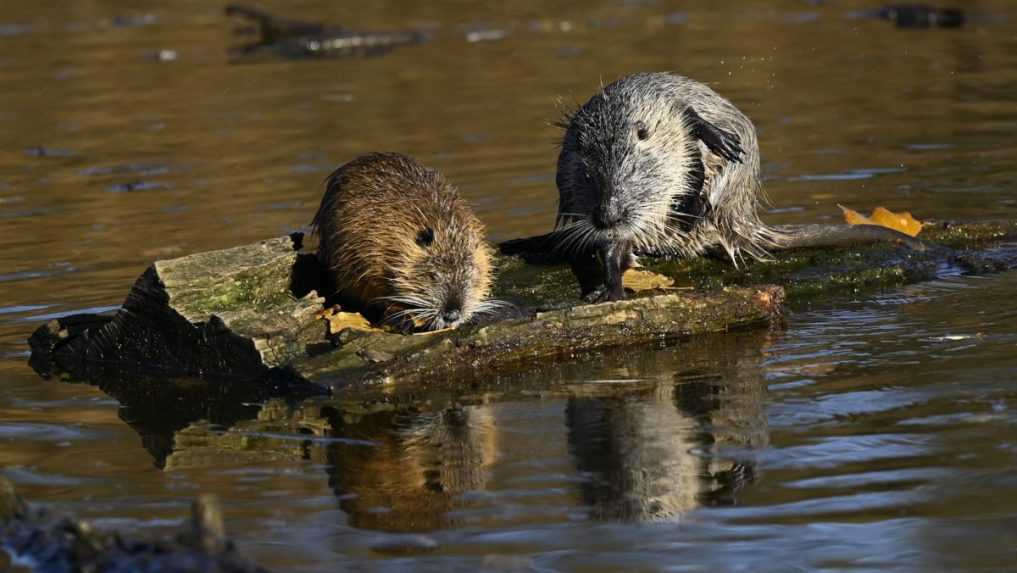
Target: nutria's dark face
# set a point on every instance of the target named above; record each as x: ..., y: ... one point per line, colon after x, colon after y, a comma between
x: 634, y: 157
x: 441, y: 276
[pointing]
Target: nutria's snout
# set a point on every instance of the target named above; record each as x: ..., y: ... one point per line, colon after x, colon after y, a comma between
x: 451, y: 316
x: 609, y: 215
x: 452, y: 312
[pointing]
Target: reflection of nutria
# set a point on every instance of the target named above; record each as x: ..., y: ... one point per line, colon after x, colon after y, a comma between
x: 399, y: 242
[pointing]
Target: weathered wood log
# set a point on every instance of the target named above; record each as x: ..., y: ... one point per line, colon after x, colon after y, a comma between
x: 49, y: 541
x: 252, y: 312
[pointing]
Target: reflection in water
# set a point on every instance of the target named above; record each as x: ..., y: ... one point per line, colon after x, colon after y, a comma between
x: 419, y: 469
x: 651, y: 448
x: 652, y: 435
x: 652, y: 454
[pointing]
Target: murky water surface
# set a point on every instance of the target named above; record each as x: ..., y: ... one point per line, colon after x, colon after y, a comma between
x: 877, y: 433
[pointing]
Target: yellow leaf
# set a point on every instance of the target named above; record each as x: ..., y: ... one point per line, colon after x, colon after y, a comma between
x: 881, y: 217
x: 640, y: 280
x: 339, y: 321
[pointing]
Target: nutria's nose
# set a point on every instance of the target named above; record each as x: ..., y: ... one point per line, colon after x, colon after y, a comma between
x: 451, y: 315
x: 606, y: 216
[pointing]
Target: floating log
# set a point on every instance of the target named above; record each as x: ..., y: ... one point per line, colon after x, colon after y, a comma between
x: 254, y: 312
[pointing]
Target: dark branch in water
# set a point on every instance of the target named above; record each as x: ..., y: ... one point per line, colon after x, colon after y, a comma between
x: 298, y: 39
x: 922, y: 16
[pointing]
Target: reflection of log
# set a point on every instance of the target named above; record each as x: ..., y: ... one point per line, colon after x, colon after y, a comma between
x: 50, y: 541
x: 251, y: 311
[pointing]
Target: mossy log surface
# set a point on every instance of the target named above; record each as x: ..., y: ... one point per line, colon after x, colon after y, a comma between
x: 46, y: 540
x: 253, y: 312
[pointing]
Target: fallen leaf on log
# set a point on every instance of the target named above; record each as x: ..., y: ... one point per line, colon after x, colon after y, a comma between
x: 881, y: 217
x: 339, y: 320
x: 640, y: 280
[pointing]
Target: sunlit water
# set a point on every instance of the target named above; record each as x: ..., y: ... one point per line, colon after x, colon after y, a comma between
x: 876, y: 433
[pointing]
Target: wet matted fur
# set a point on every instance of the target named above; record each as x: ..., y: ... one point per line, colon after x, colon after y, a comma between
x: 665, y: 165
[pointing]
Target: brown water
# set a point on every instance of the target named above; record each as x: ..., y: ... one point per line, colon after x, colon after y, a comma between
x: 877, y: 433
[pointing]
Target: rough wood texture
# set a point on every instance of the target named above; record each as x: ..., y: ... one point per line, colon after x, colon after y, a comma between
x: 221, y: 313
x: 251, y: 312
x: 576, y: 329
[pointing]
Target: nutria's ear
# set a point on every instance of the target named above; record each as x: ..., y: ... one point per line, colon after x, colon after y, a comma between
x: 723, y: 143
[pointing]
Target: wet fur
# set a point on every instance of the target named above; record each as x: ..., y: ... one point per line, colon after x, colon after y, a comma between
x: 655, y: 178
x: 371, y: 222
x: 691, y: 186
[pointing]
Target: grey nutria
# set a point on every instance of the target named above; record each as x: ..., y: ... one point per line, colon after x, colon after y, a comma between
x: 398, y: 241
x: 661, y: 165
x: 658, y: 164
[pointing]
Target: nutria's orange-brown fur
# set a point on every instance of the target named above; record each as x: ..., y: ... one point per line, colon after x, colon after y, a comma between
x: 397, y: 239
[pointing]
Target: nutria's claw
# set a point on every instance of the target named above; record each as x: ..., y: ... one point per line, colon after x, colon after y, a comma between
x: 603, y: 294
x: 404, y: 325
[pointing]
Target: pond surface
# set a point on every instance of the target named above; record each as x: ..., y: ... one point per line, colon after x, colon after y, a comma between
x: 875, y: 432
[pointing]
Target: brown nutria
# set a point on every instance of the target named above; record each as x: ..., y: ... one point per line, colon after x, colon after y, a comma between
x: 658, y: 164
x: 398, y: 240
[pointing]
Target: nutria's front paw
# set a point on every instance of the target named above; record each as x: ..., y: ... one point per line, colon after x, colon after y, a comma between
x: 603, y: 294
x: 401, y: 325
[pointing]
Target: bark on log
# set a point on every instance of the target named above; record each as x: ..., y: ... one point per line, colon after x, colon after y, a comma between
x: 252, y: 312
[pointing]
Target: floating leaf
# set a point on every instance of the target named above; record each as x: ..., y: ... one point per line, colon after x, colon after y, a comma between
x: 339, y: 321
x: 881, y: 217
x: 640, y: 280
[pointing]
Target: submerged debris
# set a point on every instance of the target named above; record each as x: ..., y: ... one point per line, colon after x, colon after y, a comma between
x: 921, y: 16
x: 56, y: 543
x: 298, y: 39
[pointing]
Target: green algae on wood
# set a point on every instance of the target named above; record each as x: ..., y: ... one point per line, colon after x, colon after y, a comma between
x: 808, y: 273
x: 254, y: 312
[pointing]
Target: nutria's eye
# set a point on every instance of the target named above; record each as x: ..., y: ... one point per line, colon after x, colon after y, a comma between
x: 425, y: 237
x: 642, y: 132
